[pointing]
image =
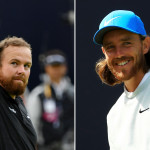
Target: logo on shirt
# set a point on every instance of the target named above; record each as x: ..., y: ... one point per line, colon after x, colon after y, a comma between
x: 141, y: 111
x: 11, y: 109
x: 28, y: 117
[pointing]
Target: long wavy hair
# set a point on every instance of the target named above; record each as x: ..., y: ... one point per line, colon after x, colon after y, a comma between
x: 106, y: 75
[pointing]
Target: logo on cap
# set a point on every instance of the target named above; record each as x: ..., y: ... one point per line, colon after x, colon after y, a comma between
x: 107, y: 22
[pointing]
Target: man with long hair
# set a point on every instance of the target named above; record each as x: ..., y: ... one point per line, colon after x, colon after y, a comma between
x: 125, y: 46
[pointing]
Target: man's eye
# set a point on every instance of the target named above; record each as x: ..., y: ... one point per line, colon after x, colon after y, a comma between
x: 27, y: 66
x: 109, y: 47
x: 14, y: 63
x: 126, y: 43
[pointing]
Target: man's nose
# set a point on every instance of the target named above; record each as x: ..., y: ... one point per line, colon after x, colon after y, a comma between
x: 21, y: 69
x: 119, y: 52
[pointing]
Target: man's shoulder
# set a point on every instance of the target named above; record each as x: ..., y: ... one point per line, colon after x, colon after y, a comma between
x: 2, y: 90
x: 4, y: 96
x: 117, y: 105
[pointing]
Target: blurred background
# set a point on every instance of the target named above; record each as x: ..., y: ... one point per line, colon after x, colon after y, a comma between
x: 94, y: 99
x: 44, y: 24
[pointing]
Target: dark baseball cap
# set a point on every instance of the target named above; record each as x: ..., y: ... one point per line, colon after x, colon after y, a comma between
x: 122, y: 19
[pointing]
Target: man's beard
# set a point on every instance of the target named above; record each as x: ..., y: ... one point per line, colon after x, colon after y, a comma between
x: 124, y: 75
x: 12, y: 87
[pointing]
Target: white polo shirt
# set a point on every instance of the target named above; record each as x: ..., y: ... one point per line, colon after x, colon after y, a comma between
x: 129, y: 119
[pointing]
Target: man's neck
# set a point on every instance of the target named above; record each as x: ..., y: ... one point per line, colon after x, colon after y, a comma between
x: 133, y: 83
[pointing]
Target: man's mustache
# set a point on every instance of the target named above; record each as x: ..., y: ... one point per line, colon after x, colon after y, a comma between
x: 123, y: 58
x: 21, y: 77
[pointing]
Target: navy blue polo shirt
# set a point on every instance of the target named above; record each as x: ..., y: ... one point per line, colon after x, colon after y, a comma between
x: 16, y: 129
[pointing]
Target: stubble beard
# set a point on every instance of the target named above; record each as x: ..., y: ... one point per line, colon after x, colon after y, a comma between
x: 124, y: 74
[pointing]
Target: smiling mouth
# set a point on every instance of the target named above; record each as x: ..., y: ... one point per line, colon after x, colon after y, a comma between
x: 122, y: 63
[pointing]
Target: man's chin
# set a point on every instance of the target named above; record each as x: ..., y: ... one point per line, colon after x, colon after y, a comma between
x: 13, y: 87
x: 122, y: 76
x: 17, y: 92
x: 16, y: 89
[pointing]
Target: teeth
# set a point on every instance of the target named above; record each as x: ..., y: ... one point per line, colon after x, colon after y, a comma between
x: 123, y: 63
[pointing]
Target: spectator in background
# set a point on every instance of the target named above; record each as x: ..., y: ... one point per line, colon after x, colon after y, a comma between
x: 51, y: 104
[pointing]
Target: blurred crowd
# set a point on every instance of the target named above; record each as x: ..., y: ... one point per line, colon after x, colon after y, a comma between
x: 51, y: 104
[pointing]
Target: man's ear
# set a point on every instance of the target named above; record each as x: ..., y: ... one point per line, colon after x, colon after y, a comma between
x: 103, y: 50
x: 146, y: 45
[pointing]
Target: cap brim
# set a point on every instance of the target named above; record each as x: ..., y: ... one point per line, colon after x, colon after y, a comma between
x: 98, y: 37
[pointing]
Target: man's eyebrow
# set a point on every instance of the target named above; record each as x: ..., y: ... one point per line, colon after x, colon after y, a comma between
x: 14, y: 60
x: 28, y: 62
x: 107, y: 43
x: 126, y: 38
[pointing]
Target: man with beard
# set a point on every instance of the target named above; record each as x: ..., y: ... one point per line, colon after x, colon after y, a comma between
x: 125, y: 45
x: 16, y: 130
